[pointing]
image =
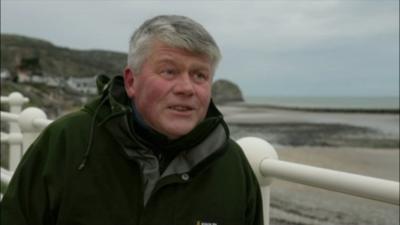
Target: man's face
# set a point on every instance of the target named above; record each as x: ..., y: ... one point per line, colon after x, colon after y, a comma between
x: 172, y: 91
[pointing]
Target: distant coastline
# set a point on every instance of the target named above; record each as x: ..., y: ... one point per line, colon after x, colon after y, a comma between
x: 312, y: 109
x: 384, y: 105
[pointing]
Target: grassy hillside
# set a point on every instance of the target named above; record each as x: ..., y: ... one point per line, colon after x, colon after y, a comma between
x: 59, y: 61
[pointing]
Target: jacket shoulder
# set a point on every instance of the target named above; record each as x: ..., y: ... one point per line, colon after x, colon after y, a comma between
x: 235, y: 149
x: 66, y: 135
x: 71, y: 120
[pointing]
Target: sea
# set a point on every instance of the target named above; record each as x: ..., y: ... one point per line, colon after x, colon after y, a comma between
x: 328, y: 102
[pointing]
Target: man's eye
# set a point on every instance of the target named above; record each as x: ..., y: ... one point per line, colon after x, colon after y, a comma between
x: 200, y: 77
x: 168, y: 72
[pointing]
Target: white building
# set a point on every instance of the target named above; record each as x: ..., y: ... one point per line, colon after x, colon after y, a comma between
x: 38, y: 79
x: 84, y: 85
x: 55, y: 81
x: 5, y: 74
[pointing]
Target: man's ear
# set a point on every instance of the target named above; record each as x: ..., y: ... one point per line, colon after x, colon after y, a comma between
x: 129, y: 80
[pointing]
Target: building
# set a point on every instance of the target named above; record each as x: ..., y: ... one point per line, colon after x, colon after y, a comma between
x: 55, y: 81
x: 83, y: 85
x: 5, y: 75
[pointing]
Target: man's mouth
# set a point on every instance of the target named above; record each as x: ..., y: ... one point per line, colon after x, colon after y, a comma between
x: 181, y: 108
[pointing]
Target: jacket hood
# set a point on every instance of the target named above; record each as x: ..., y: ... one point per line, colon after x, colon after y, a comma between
x: 112, y: 99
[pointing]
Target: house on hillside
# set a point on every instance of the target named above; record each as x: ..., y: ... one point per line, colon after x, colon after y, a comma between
x: 53, y: 81
x: 82, y: 85
x: 5, y: 74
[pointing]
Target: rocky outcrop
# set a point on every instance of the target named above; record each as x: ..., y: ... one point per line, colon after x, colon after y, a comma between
x: 224, y: 91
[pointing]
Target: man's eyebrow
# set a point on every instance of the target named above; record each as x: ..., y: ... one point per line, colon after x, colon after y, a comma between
x: 170, y: 60
x: 201, y: 67
x: 165, y: 60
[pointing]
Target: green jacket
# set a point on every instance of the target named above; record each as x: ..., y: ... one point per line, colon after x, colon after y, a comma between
x: 92, y: 168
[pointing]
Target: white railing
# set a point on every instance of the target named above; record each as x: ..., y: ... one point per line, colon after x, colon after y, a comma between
x: 266, y: 165
x: 15, y: 102
x: 25, y: 126
x: 261, y: 155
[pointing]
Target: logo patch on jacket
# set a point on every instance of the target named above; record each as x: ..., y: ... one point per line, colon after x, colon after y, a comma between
x: 198, y: 222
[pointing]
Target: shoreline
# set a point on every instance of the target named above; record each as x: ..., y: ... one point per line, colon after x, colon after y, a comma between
x: 315, y: 109
x: 384, y: 124
x: 316, y: 135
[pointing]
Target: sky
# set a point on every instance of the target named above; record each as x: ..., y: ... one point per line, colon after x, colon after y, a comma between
x: 269, y: 48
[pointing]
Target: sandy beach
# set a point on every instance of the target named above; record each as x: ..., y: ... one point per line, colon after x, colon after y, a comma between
x: 362, y: 143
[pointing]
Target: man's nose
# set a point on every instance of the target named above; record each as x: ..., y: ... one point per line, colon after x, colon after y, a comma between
x: 184, y: 85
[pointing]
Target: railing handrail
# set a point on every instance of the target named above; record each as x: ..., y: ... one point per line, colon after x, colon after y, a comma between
x: 24, y: 126
x: 344, y: 182
x: 266, y: 165
x: 41, y: 123
x: 14, y: 98
x: 5, y: 176
x: 27, y: 117
x: 11, y: 138
x: 11, y: 117
x: 4, y: 99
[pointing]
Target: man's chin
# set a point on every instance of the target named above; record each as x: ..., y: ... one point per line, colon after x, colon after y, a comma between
x: 178, y: 132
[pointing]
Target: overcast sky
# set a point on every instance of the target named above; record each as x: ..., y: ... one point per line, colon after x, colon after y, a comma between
x: 270, y: 48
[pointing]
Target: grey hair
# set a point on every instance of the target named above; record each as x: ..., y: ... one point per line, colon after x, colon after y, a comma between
x: 175, y: 31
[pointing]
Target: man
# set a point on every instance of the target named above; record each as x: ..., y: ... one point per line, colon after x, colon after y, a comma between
x: 152, y: 149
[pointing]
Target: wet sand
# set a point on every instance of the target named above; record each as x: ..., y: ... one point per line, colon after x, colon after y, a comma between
x: 362, y: 143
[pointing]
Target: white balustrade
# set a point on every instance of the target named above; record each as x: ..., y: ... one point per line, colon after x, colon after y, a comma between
x: 347, y: 183
x: 15, y: 101
x: 266, y: 165
x: 25, y: 126
x: 32, y: 121
x: 13, y: 138
x: 10, y: 117
x: 5, y: 176
x: 5, y: 179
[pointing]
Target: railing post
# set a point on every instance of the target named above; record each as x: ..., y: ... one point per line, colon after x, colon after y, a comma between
x: 256, y: 151
x: 15, y: 101
x: 26, y: 122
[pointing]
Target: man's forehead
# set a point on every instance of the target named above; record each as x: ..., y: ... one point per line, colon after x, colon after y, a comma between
x: 167, y: 53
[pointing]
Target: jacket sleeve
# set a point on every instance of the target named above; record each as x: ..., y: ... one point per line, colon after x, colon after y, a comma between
x: 32, y: 195
x: 254, y: 214
x: 254, y: 211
